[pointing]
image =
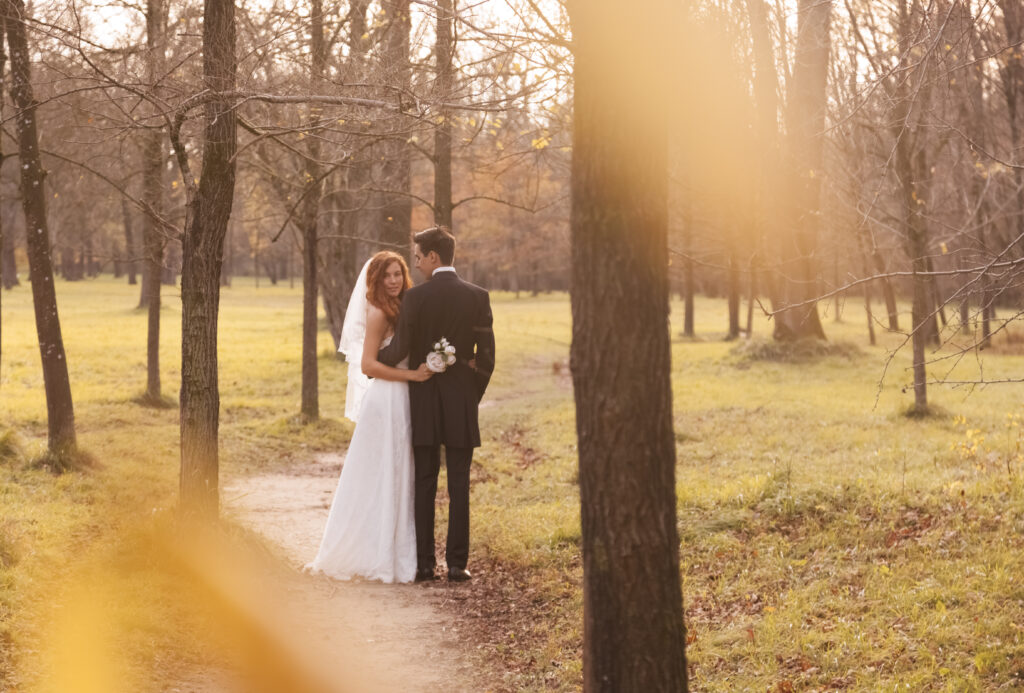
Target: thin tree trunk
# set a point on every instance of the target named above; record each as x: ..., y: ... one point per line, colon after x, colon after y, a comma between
x: 395, y: 218
x: 633, y: 633
x: 752, y: 295
x: 734, y: 296
x: 338, y: 256
x: 914, y: 223
x: 153, y: 156
x: 310, y: 407
x: 938, y: 303
x: 129, y: 242
x: 766, y: 86
x: 207, y: 214
x: 10, y: 267
x: 443, y: 130
x: 88, y: 259
x: 892, y: 311
x: 689, y: 280
x: 59, y: 408
x: 867, y: 307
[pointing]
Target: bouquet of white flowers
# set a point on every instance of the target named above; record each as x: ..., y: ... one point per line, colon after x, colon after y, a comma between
x: 442, y: 356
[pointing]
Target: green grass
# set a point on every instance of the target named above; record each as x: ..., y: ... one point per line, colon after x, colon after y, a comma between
x: 828, y: 541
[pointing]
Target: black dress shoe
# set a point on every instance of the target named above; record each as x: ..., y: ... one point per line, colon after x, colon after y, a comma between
x: 425, y: 575
x: 459, y: 575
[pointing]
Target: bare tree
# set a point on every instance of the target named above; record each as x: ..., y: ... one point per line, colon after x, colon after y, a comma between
x: 59, y: 407
x: 309, y: 222
x: 153, y: 160
x: 208, y: 211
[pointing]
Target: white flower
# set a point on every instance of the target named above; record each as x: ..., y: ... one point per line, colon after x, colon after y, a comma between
x: 449, y: 349
x: 437, y: 346
x: 449, y: 358
x: 436, y: 362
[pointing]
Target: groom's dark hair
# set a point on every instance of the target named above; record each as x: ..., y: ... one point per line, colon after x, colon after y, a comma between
x: 438, y: 239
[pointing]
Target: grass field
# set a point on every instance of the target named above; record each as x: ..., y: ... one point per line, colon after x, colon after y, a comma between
x: 828, y: 541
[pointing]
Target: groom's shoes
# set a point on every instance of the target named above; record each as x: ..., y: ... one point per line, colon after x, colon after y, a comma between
x: 426, y: 575
x: 459, y: 575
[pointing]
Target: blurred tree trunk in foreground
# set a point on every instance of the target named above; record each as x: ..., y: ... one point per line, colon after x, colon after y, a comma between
x: 59, y: 408
x: 633, y: 633
x: 206, y: 223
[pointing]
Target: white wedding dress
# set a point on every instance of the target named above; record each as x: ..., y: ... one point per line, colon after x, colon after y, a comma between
x: 371, y: 531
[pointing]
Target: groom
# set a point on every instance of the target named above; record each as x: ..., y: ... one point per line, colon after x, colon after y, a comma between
x: 444, y: 408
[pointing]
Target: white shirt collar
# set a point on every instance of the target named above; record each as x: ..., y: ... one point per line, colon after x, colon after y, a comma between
x: 445, y: 268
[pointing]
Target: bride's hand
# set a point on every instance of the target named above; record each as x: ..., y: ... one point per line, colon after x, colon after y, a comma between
x: 421, y: 374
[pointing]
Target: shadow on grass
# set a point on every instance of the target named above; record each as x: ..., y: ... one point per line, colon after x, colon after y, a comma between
x: 932, y: 411
x: 11, y: 449
x: 70, y: 459
x: 161, y: 402
x: 799, y: 351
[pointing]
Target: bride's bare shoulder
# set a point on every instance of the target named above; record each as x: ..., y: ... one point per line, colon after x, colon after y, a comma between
x: 377, y: 321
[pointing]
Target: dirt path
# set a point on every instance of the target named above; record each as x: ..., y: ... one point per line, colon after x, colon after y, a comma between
x: 393, y: 637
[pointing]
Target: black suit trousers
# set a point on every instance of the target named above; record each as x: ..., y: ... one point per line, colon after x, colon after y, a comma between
x: 428, y: 466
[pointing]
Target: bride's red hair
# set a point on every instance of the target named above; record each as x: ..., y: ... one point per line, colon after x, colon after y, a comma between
x: 376, y: 294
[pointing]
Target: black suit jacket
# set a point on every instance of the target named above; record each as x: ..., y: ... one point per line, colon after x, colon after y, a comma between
x: 444, y: 408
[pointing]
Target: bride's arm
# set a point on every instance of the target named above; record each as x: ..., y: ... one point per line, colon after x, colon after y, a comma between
x: 376, y: 326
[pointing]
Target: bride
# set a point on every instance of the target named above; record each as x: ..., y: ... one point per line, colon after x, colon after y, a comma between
x: 370, y: 531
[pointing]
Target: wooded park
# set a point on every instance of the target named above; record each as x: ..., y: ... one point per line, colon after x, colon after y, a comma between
x: 755, y: 269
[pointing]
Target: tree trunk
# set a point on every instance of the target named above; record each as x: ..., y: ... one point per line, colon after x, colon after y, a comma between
x: 805, y: 124
x: 1012, y: 74
x: 339, y: 257
x: 867, y: 307
x: 766, y: 85
x: 937, y: 301
x: 689, y: 280
x: 734, y: 296
x: 10, y: 267
x: 88, y: 258
x: 752, y: 295
x: 892, y: 311
x: 443, y: 130
x: 310, y: 407
x: 633, y: 633
x: 915, y: 230
x: 153, y: 156
x: 395, y: 217
x: 129, y: 242
x: 207, y: 214
x: 336, y: 273
x: 59, y: 408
